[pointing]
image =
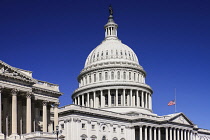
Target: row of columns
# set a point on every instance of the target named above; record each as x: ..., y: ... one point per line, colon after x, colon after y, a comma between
x: 150, y: 133
x: 28, y: 113
x: 133, y: 98
x: 154, y: 133
x: 178, y: 134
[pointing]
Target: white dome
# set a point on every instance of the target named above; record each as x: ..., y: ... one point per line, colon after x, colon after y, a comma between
x: 111, y: 50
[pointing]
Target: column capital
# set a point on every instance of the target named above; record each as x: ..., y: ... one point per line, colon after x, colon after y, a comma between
x: 29, y: 94
x: 44, y: 103
x: 56, y: 104
x: 14, y: 91
x: 1, y: 88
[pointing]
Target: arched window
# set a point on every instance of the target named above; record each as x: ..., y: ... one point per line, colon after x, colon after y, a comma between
x: 94, y: 77
x: 100, y: 76
x: 129, y: 75
x: 83, y: 137
x: 124, y: 75
x: 106, y: 75
x: 114, y: 138
x: 134, y: 76
x: 89, y: 79
x: 118, y: 75
x: 104, y: 138
x: 93, y: 137
x: 112, y: 75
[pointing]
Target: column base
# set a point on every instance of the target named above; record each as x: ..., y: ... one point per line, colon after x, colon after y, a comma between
x: 1, y: 136
x: 14, y: 137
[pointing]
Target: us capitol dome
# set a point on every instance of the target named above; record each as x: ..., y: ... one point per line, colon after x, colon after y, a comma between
x: 112, y: 78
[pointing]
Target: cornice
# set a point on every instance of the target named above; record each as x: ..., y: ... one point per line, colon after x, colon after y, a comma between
x: 46, y: 90
x: 106, y: 65
x: 143, y: 118
x: 126, y: 85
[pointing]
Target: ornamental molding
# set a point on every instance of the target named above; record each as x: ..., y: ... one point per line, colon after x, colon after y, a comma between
x: 36, y: 89
x: 112, y: 66
x: 13, y: 74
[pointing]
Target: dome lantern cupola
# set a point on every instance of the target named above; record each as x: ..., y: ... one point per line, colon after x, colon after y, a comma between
x: 111, y: 26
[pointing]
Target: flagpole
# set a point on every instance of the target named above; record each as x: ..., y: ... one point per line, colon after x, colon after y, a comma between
x: 175, y: 100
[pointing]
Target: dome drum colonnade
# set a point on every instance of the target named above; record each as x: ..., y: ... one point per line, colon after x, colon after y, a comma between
x: 112, y: 76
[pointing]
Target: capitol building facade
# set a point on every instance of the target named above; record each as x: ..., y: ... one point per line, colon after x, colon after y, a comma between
x: 112, y: 102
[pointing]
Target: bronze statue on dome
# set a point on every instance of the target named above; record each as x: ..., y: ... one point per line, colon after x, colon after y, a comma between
x: 110, y: 10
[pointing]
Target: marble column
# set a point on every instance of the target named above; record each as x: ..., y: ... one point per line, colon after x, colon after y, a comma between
x: 170, y: 133
x: 159, y: 133
x: 182, y: 135
x: 174, y: 133
x: 116, y: 102
x: 78, y: 100
x: 185, y: 135
x: 1, y: 134
x: 14, y: 112
x: 178, y: 134
x: 102, y: 105
x: 150, y: 133
x: 83, y: 100
x: 88, y: 99
x: 137, y: 98
x: 131, y: 99
x: 134, y: 100
x: 44, y: 119
x: 55, y: 115
x: 155, y: 133
x: 166, y: 133
x: 140, y: 133
x: 146, y: 103
x: 188, y: 134
x: 94, y: 99
x: 123, y: 97
x: 145, y: 133
x: 142, y: 99
x: 109, y: 98
x: 28, y: 112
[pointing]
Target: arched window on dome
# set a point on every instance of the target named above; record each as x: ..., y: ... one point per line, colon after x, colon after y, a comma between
x: 118, y: 75
x: 89, y: 78
x: 100, y: 76
x: 86, y: 80
x: 134, y: 76
x: 129, y: 75
x: 112, y: 75
x: 94, y: 77
x: 124, y: 75
x: 116, y: 54
x: 107, y: 54
x: 106, y: 75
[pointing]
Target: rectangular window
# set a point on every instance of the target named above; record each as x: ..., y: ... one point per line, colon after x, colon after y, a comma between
x: 93, y: 126
x: 83, y: 125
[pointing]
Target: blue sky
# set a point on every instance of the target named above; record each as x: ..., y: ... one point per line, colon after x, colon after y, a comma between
x: 170, y: 37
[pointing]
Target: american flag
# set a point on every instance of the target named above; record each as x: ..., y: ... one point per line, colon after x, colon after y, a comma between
x: 171, y: 103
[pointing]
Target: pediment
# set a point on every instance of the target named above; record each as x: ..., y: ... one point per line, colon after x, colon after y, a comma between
x: 181, y: 119
x: 10, y: 73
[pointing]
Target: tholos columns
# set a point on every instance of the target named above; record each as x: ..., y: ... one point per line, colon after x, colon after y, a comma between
x: 28, y: 112
x: 55, y: 115
x: 14, y: 112
x: 44, y: 116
